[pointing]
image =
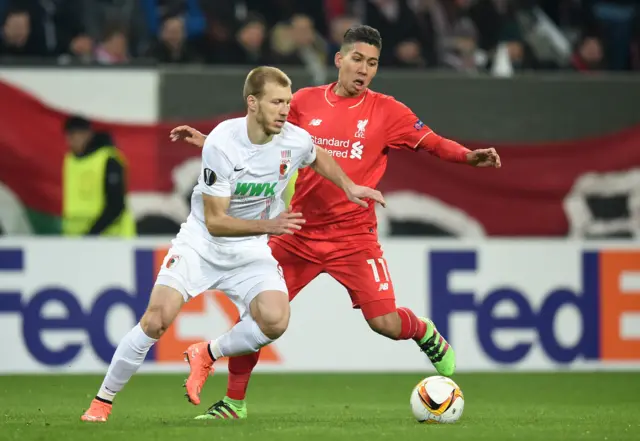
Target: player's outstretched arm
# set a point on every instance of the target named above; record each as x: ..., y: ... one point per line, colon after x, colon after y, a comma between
x: 484, y: 158
x: 451, y: 151
x: 329, y: 169
x: 220, y: 224
x: 188, y: 134
x: 406, y: 131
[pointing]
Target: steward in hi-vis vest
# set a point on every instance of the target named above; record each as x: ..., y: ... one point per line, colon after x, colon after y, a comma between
x: 94, y: 184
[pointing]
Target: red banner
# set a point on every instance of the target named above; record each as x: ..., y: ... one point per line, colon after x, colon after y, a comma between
x: 32, y: 145
x: 583, y: 187
x: 541, y: 190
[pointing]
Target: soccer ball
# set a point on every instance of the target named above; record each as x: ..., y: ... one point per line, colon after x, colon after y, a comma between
x: 437, y: 400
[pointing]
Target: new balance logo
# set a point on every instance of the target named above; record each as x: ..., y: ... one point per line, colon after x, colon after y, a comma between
x: 383, y: 287
x: 356, y: 150
x: 315, y: 122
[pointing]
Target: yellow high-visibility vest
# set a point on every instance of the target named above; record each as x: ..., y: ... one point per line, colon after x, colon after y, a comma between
x: 84, y: 195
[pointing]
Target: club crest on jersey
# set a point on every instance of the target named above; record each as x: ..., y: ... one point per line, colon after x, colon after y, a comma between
x: 173, y: 261
x: 285, y: 163
x: 362, y: 125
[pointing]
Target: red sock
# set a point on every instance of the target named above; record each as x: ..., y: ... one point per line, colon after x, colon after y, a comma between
x: 411, y: 326
x: 240, y: 369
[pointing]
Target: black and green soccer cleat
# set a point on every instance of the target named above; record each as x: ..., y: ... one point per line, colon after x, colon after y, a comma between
x: 438, y: 350
x: 225, y: 409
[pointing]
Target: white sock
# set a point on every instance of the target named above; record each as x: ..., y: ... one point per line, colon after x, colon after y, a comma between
x: 128, y: 357
x: 245, y: 337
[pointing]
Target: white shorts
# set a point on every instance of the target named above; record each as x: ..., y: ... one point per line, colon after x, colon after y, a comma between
x: 241, y: 272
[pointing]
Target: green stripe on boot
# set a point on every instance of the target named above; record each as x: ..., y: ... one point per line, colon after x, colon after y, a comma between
x: 225, y: 409
x: 438, y: 350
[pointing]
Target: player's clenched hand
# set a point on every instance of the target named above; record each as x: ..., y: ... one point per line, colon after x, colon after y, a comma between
x: 287, y: 222
x: 484, y: 158
x: 188, y: 134
x: 357, y: 193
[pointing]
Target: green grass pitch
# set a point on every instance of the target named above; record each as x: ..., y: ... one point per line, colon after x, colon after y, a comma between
x: 308, y: 407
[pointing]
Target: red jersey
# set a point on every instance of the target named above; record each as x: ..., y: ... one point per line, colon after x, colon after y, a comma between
x: 358, y: 133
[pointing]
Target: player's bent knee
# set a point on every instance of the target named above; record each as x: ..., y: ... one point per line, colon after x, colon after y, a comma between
x: 388, y: 325
x: 164, y: 305
x: 270, y: 310
x: 274, y: 322
x: 152, y: 324
x: 275, y: 329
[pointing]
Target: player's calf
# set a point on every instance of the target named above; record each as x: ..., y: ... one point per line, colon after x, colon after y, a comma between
x: 164, y: 305
x: 388, y: 325
x: 268, y: 321
x: 403, y: 324
x: 383, y: 318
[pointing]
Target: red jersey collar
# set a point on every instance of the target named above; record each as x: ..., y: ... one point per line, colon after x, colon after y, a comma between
x: 341, y: 101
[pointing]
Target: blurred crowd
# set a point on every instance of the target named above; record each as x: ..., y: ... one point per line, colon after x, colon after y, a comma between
x: 502, y: 36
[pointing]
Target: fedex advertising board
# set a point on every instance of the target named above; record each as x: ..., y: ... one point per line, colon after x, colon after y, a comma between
x: 537, y: 305
x: 503, y: 305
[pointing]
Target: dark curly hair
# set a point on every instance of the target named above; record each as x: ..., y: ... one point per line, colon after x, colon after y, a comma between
x: 362, y: 34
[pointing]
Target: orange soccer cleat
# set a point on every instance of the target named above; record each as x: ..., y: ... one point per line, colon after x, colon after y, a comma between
x: 201, y: 364
x: 98, y: 412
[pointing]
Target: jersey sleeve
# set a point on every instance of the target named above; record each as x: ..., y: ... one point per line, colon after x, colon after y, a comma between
x: 216, y: 170
x: 404, y: 128
x: 310, y: 152
x: 294, y: 116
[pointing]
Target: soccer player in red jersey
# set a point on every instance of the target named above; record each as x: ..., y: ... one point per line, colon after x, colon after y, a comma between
x: 358, y: 127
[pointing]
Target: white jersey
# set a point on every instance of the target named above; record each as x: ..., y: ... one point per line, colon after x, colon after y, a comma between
x: 252, y: 176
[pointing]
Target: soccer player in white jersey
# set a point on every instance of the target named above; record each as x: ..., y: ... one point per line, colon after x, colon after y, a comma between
x: 236, y: 204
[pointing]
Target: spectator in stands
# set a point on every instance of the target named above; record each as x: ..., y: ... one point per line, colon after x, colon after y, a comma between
x: 456, y: 35
x: 54, y: 24
x: 588, y: 55
x: 113, y: 47
x: 250, y: 46
x: 425, y: 34
x: 301, y: 44
x: 408, y: 53
x: 94, y: 184
x: 190, y: 10
x: 282, y: 45
x: 337, y: 28
x: 278, y: 11
x: 395, y: 21
x: 464, y: 35
x: 311, y: 46
x: 98, y: 14
x: 16, y: 36
x: 172, y: 46
x: 617, y: 27
x: 81, y: 50
x: 496, y: 23
x: 498, y: 26
x: 222, y: 18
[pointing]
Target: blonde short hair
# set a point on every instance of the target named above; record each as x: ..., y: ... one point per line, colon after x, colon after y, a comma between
x: 258, y: 77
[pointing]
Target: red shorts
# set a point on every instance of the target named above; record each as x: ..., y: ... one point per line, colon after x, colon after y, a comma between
x: 358, y: 266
